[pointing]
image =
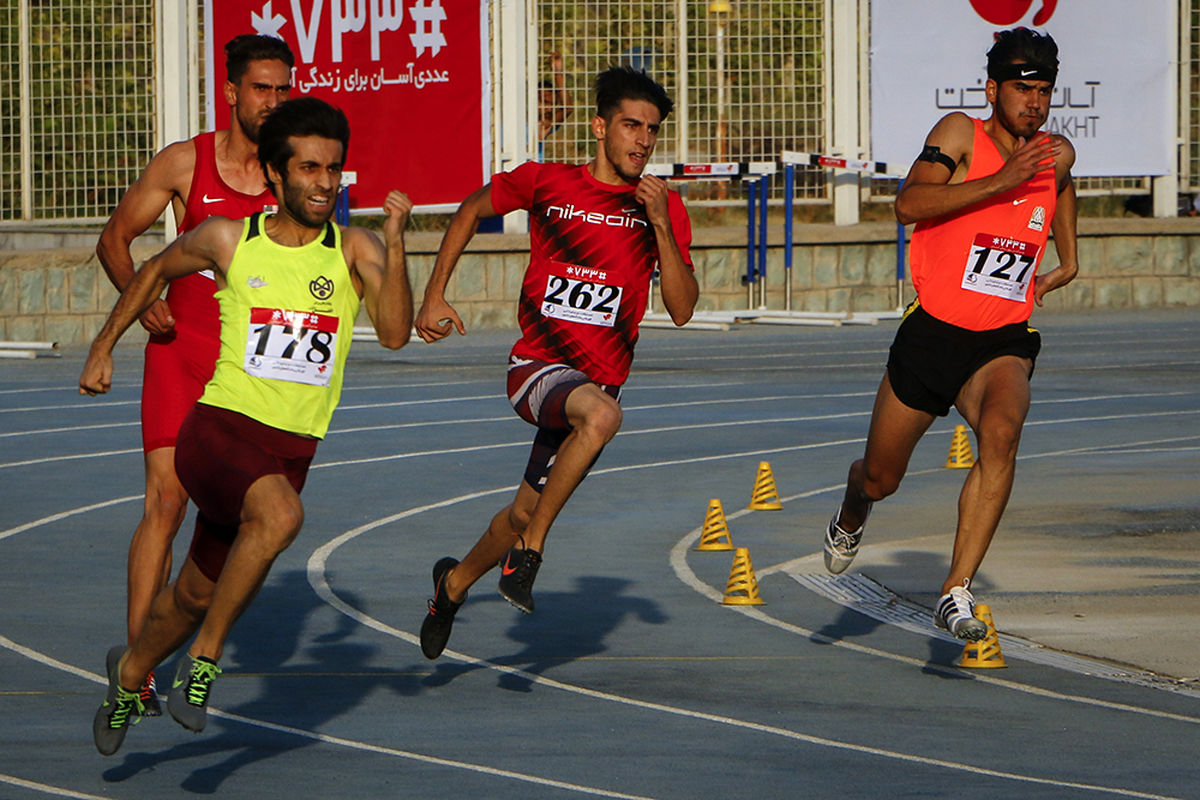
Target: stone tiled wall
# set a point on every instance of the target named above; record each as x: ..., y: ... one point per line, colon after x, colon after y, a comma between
x: 61, y: 294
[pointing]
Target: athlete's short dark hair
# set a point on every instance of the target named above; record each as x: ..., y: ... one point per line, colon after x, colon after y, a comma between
x: 304, y: 116
x: 616, y: 84
x: 241, y: 50
x: 1025, y: 45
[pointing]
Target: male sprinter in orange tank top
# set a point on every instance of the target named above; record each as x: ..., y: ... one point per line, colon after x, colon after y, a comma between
x: 213, y: 174
x: 984, y: 195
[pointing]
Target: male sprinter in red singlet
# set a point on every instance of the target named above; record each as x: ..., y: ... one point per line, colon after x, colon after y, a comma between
x: 289, y: 287
x: 214, y: 174
x: 985, y: 195
x: 597, y: 231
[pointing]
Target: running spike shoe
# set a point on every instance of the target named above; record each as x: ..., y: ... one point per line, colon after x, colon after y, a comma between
x: 188, y: 699
x: 956, y: 613
x: 435, y: 629
x: 517, y: 571
x: 120, y: 707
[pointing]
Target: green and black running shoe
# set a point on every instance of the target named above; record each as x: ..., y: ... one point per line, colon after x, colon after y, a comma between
x: 188, y: 699
x: 121, y: 706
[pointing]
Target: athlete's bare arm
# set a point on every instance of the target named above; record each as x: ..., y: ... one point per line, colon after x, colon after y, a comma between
x: 1063, y: 226
x: 167, y: 178
x: 679, y: 288
x: 929, y: 190
x: 209, y: 245
x: 381, y: 273
x: 436, y: 315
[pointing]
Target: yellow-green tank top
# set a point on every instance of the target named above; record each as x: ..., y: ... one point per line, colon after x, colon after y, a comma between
x: 287, y: 317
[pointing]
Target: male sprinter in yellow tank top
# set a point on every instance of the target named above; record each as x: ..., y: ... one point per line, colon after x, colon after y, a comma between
x: 289, y: 287
x: 985, y: 195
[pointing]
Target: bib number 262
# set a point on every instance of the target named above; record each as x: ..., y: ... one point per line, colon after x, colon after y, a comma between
x: 574, y: 300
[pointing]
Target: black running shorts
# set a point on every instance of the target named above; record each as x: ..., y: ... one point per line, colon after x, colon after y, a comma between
x: 930, y: 360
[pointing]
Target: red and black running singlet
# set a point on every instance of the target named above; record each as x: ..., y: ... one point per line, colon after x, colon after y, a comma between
x: 592, y: 253
x: 975, y: 268
x: 191, y: 297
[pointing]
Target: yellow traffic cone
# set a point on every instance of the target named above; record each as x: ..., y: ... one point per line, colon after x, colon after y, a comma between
x: 742, y: 589
x: 985, y: 652
x: 960, y: 456
x: 765, y: 497
x: 715, y: 534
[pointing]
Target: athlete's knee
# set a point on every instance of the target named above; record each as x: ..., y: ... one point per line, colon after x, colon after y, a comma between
x: 166, y: 501
x: 998, y: 439
x: 877, y: 482
x: 274, y: 523
x: 518, y: 518
x: 602, y: 421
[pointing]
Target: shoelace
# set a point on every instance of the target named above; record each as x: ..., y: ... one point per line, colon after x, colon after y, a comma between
x: 199, y: 680
x: 523, y: 575
x: 125, y: 704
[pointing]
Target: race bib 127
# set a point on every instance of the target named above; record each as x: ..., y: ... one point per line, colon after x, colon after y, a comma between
x: 1000, y: 267
x: 295, y: 346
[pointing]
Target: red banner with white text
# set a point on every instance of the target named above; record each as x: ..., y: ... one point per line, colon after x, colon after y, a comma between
x: 411, y: 76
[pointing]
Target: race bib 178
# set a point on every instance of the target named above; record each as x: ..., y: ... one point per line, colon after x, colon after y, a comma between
x: 295, y: 346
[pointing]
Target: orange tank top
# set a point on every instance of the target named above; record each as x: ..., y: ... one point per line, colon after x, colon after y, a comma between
x: 974, y: 268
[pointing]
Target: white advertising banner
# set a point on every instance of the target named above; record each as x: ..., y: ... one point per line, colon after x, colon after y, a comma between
x: 1113, y: 98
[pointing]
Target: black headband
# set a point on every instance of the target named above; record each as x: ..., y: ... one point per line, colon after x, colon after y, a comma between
x: 1023, y: 72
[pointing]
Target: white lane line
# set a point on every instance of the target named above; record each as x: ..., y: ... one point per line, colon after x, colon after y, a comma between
x: 72, y: 457
x: 65, y: 514
x: 317, y: 579
x: 82, y: 405
x: 689, y: 578
x: 54, y: 663
x: 70, y: 429
x: 327, y: 594
x: 46, y: 788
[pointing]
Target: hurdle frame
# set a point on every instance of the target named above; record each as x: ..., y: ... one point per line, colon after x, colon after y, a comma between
x: 756, y: 175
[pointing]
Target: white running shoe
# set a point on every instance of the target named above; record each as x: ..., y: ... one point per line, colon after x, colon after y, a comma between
x: 841, y: 546
x: 956, y: 613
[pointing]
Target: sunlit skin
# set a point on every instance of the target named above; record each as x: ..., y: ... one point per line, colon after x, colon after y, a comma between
x: 264, y: 85
x: 627, y: 140
x: 309, y: 186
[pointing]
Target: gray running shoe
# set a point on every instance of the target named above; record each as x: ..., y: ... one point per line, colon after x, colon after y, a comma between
x: 956, y: 613
x: 120, y: 707
x: 841, y: 545
x: 188, y: 699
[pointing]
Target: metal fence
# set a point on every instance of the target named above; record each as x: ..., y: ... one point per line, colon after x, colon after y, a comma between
x: 77, y: 105
x: 81, y: 97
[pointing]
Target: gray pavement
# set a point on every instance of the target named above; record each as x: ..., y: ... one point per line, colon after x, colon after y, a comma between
x: 631, y: 679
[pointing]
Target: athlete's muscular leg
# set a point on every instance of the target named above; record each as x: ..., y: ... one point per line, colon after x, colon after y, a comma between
x: 174, y: 615
x: 150, y: 549
x: 271, y: 517
x: 509, y: 523
x: 595, y: 418
x: 894, y: 432
x: 994, y: 403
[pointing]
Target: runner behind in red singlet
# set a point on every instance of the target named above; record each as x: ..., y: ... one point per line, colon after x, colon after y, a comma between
x: 984, y: 195
x: 597, y: 232
x: 214, y: 174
